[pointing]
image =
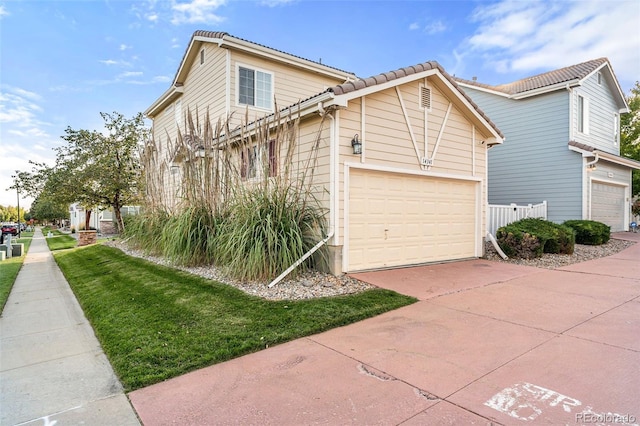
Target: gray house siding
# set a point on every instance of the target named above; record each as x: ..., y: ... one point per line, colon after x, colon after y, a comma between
x: 603, y: 115
x: 534, y: 163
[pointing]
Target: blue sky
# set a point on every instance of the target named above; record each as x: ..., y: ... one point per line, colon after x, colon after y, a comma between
x: 64, y: 62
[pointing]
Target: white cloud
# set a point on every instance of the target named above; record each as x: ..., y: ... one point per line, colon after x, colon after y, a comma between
x: 3, y: 11
x: 275, y: 3
x: 435, y: 27
x: 153, y: 17
x: 537, y: 36
x: 432, y: 28
x: 110, y: 62
x: 124, y: 47
x: 130, y: 74
x: 196, y: 11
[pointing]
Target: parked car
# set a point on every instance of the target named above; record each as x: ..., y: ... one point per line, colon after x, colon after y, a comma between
x: 10, y: 228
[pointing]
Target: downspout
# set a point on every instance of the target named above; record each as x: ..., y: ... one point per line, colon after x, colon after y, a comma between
x: 591, y: 163
x: 332, y: 198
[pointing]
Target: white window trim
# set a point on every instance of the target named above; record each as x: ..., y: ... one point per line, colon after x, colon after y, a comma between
x: 237, y: 87
x: 585, y: 114
x: 178, y: 111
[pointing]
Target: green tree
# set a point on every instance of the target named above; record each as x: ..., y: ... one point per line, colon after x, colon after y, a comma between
x: 96, y: 168
x: 630, y: 133
x: 47, y: 208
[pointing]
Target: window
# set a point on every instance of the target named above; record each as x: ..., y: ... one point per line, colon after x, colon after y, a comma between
x: 254, y: 88
x: 178, y: 111
x: 252, y: 161
x: 202, y: 57
x: 616, y: 128
x: 583, y: 115
x: 599, y: 78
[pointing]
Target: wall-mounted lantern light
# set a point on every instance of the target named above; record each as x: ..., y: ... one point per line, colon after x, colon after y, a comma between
x: 356, y: 145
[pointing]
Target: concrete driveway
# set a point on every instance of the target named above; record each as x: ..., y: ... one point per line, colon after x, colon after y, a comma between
x: 486, y: 343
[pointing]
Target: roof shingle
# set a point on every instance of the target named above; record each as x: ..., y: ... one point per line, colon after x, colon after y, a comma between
x: 550, y: 78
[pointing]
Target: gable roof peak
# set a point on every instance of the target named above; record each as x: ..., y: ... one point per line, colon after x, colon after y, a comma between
x: 566, y: 74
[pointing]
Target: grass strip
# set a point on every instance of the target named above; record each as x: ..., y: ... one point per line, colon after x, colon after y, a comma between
x: 61, y: 241
x: 9, y: 269
x: 155, y: 322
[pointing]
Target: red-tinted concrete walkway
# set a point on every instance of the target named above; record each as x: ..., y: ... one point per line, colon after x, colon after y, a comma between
x: 488, y: 342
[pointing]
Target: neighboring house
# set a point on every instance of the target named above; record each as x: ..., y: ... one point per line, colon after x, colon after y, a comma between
x: 101, y: 220
x: 416, y: 193
x: 562, y: 132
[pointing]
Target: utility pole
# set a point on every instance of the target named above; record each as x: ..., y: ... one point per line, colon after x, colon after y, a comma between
x: 19, y: 227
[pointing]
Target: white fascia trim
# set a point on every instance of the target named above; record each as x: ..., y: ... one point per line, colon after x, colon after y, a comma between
x: 164, y: 100
x: 620, y: 93
x: 265, y: 52
x: 483, y: 89
x: 386, y: 85
x: 584, y: 153
x: 381, y: 168
x: 485, y: 123
x: 547, y: 89
x: 612, y: 158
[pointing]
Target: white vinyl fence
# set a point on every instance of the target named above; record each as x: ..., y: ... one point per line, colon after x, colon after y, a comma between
x: 501, y: 215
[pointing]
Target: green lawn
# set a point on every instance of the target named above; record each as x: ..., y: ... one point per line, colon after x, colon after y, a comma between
x: 59, y: 240
x: 155, y: 322
x: 9, y: 269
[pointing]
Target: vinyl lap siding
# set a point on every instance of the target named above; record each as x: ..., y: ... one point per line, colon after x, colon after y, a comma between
x: 387, y: 141
x: 602, y: 110
x: 534, y: 163
x: 204, y: 86
x: 290, y: 85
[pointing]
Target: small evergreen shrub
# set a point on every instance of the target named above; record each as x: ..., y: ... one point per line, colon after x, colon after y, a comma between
x: 530, y: 238
x: 590, y: 232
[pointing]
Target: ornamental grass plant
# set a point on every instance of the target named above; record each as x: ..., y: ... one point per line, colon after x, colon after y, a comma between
x: 231, y: 197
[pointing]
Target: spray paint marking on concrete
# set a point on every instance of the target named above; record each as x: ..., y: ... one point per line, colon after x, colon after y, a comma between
x: 526, y: 401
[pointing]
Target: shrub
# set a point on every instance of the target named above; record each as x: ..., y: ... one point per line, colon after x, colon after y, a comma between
x: 530, y: 238
x: 590, y: 232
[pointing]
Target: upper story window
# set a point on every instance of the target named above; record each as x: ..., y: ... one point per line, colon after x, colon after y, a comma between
x: 202, y: 57
x: 255, y: 87
x: 616, y: 128
x: 583, y: 115
x: 256, y: 161
x: 178, y: 112
x: 600, y: 78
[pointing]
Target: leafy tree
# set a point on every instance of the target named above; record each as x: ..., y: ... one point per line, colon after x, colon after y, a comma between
x: 630, y: 133
x: 48, y: 208
x: 96, y: 168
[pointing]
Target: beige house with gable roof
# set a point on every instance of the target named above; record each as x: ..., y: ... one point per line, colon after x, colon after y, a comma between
x: 417, y: 190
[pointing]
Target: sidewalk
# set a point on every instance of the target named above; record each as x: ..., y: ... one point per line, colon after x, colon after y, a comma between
x: 52, y: 368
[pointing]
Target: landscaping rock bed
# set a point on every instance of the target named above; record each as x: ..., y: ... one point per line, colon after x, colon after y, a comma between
x: 581, y: 253
x: 309, y: 285
x: 313, y: 284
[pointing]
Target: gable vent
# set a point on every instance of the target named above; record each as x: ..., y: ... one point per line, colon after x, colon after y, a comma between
x: 425, y: 98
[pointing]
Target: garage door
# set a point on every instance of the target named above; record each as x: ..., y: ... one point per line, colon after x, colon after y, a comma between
x: 397, y: 219
x: 607, y: 205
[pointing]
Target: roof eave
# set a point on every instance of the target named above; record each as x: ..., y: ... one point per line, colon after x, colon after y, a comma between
x: 548, y: 89
x: 342, y: 99
x: 167, y: 97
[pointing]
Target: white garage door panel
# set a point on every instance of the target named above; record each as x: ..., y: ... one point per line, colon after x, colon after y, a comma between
x: 397, y: 219
x: 607, y: 205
